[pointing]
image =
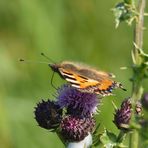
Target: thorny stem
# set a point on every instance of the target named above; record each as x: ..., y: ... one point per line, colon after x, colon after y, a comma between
x: 137, y: 86
x: 139, y: 25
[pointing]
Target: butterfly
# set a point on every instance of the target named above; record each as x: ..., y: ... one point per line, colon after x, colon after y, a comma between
x: 86, y: 79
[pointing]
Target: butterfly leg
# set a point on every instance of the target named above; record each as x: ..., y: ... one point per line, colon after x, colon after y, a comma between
x: 52, y: 81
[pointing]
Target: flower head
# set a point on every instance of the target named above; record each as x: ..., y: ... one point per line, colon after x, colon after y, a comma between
x: 76, y: 129
x: 48, y: 114
x: 78, y: 103
x: 123, y: 115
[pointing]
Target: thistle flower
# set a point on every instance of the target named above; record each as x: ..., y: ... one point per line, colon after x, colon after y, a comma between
x: 78, y: 103
x: 123, y: 115
x: 48, y: 114
x: 74, y: 129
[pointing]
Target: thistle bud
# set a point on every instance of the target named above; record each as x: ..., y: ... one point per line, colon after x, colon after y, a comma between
x: 74, y: 129
x: 48, y: 114
x: 123, y: 115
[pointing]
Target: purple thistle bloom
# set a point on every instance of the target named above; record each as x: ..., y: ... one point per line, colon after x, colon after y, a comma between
x: 74, y: 129
x: 123, y: 115
x: 48, y: 114
x: 77, y: 103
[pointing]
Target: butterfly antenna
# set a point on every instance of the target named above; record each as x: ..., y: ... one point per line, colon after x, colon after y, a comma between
x: 47, y: 58
x: 52, y: 81
x: 29, y: 61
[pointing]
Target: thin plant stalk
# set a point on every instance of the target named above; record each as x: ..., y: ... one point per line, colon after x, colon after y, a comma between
x: 137, y: 89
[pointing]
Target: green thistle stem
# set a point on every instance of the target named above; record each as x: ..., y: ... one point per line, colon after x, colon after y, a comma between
x: 134, y: 137
x: 137, y: 68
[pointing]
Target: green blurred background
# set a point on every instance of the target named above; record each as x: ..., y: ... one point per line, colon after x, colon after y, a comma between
x: 77, y: 30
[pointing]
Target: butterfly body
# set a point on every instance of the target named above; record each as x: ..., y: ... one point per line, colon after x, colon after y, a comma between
x: 85, y: 78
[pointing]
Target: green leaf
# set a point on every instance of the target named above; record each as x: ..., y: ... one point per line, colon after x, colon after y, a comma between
x: 125, y: 11
x: 96, y: 135
x: 141, y: 60
x: 142, y: 54
x: 108, y: 139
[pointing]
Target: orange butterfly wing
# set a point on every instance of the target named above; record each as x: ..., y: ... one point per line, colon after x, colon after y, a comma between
x: 103, y: 86
x: 77, y: 80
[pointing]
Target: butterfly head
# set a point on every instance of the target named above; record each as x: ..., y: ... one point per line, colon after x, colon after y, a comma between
x: 54, y: 67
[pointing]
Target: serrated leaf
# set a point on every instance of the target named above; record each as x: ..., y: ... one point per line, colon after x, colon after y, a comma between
x: 124, y: 11
x: 142, y: 54
x: 111, y: 136
x: 97, y: 128
x: 96, y: 135
x: 108, y: 139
